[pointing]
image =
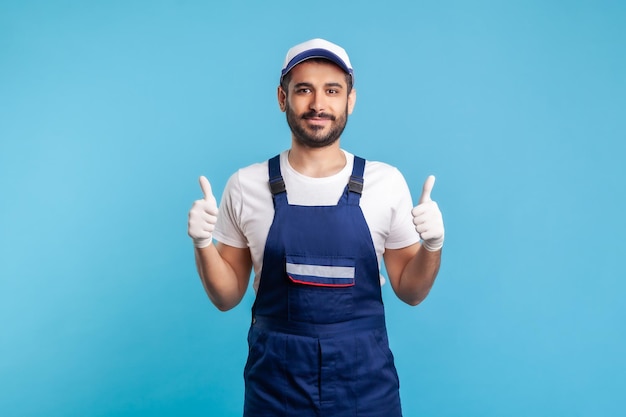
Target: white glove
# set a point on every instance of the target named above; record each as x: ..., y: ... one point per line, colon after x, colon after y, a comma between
x: 202, y: 217
x: 428, y: 220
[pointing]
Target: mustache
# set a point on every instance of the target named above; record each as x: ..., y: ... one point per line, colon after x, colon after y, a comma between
x: 313, y: 114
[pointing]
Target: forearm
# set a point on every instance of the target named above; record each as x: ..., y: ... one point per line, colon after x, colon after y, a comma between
x: 418, y: 276
x: 224, y: 284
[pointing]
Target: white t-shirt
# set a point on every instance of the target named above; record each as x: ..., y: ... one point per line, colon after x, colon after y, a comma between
x: 247, y: 210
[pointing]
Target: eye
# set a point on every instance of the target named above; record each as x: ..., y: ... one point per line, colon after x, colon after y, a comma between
x: 303, y: 90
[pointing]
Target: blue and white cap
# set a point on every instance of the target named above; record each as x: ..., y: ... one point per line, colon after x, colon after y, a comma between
x: 317, y: 48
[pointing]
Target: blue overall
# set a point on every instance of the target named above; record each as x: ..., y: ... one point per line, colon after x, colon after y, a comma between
x: 318, y: 343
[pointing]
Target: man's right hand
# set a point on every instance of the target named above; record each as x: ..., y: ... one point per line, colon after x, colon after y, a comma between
x: 203, y: 216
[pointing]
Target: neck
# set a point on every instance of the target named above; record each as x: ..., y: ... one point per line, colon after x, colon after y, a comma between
x: 317, y: 162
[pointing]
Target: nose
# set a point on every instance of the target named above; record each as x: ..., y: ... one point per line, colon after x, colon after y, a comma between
x: 318, y: 103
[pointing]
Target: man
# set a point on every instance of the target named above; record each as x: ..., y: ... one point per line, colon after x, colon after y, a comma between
x: 314, y: 222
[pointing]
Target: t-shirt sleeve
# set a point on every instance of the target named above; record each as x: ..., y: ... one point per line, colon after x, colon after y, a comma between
x: 402, y: 232
x: 228, y: 226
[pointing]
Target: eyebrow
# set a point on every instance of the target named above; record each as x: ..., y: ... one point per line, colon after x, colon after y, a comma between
x: 332, y: 84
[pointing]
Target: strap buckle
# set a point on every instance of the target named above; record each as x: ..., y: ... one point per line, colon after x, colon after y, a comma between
x: 277, y: 185
x: 356, y: 184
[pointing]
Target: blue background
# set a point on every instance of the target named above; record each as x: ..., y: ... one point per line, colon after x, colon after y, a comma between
x: 109, y: 112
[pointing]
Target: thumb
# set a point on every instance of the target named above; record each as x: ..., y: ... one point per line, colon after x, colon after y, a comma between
x: 206, y: 188
x: 428, y: 187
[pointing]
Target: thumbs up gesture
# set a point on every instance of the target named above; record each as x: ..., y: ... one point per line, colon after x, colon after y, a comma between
x: 202, y: 217
x: 428, y: 220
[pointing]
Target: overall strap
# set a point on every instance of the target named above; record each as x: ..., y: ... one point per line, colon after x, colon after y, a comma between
x: 276, y: 182
x: 355, y: 185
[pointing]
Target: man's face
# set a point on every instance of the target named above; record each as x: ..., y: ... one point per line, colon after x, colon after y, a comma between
x: 317, y: 103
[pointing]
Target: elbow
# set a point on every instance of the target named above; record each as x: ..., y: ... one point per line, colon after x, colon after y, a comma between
x: 414, y: 302
x: 415, y: 299
x: 224, y: 300
x: 224, y: 306
x: 227, y: 303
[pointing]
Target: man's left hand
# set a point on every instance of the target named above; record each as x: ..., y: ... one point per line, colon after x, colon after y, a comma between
x: 428, y: 219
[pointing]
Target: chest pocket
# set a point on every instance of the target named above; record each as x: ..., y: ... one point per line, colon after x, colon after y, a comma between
x: 320, y: 288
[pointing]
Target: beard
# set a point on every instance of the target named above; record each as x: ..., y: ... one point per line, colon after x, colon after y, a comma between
x: 313, y: 136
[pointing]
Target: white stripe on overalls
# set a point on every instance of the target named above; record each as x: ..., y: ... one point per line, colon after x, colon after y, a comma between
x: 342, y: 272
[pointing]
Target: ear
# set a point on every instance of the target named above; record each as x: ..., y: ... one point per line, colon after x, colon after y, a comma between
x: 282, y: 99
x: 351, y: 100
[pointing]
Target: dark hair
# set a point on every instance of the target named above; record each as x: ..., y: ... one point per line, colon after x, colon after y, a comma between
x: 284, y: 83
